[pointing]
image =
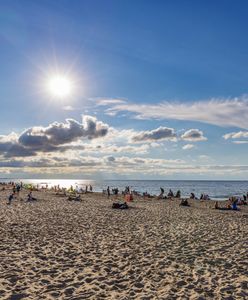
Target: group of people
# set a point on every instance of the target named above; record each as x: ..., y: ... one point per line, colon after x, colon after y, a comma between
x: 169, y: 195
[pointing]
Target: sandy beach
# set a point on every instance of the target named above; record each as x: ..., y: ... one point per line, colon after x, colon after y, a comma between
x: 59, y: 249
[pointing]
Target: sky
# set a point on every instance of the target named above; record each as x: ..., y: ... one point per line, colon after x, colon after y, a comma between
x: 147, y: 89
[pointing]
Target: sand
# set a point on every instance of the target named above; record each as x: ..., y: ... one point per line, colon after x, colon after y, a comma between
x: 56, y: 249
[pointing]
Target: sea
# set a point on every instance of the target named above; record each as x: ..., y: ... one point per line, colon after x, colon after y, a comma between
x: 217, y: 190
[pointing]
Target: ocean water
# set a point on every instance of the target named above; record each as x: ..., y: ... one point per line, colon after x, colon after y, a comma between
x: 215, y: 189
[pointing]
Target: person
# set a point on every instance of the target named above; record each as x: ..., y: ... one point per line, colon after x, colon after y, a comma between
x: 184, y: 202
x: 11, y: 197
x: 192, y: 196
x: 120, y: 205
x: 160, y: 196
x: 91, y: 189
x: 75, y: 198
x: 178, y: 194
x: 108, y: 191
x: 18, y: 188
x: 30, y: 197
x: 234, y: 204
x: 216, y: 205
x: 170, y: 194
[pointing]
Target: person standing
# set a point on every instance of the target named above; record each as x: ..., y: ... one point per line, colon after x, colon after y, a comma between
x: 108, y: 192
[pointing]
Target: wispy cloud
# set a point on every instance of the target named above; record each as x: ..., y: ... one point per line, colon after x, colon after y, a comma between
x: 236, y: 135
x: 222, y: 112
x: 107, y: 102
x: 188, y: 147
x: 240, y: 142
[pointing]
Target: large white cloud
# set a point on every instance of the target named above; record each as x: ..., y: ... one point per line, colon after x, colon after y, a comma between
x: 221, y: 112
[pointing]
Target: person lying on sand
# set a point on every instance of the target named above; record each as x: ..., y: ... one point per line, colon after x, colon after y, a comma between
x: 230, y: 206
x: 74, y: 198
x: 120, y: 205
x: 61, y: 193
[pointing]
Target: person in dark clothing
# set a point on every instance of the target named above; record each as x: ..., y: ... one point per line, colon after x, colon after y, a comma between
x: 11, y: 197
x: 108, y: 191
x: 170, y: 194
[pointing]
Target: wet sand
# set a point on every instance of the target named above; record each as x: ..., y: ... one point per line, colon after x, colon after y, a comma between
x: 59, y: 249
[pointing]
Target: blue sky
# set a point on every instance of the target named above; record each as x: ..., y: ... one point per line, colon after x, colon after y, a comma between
x: 163, y: 82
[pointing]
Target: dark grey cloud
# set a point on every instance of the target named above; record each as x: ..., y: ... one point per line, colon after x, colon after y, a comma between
x: 55, y: 137
x: 193, y: 135
x: 161, y: 133
x: 110, y: 159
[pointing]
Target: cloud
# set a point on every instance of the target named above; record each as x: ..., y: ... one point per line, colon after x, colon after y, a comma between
x: 110, y: 159
x: 236, y: 135
x: 188, y: 147
x: 161, y: 133
x: 193, y: 135
x: 221, y: 112
x: 91, y: 148
x: 108, y: 165
x: 240, y: 142
x: 107, y: 102
x: 55, y: 137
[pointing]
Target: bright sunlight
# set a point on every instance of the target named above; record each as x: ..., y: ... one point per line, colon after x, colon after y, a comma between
x: 60, y: 86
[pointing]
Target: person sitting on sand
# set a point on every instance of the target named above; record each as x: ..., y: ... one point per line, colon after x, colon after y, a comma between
x: 244, y: 200
x: 30, y: 197
x: 192, y: 196
x: 234, y: 204
x: 11, y: 197
x: 160, y: 196
x: 170, y: 194
x: 178, y: 194
x: 184, y: 202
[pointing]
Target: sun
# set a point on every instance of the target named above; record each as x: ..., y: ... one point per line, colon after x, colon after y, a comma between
x: 60, y: 86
